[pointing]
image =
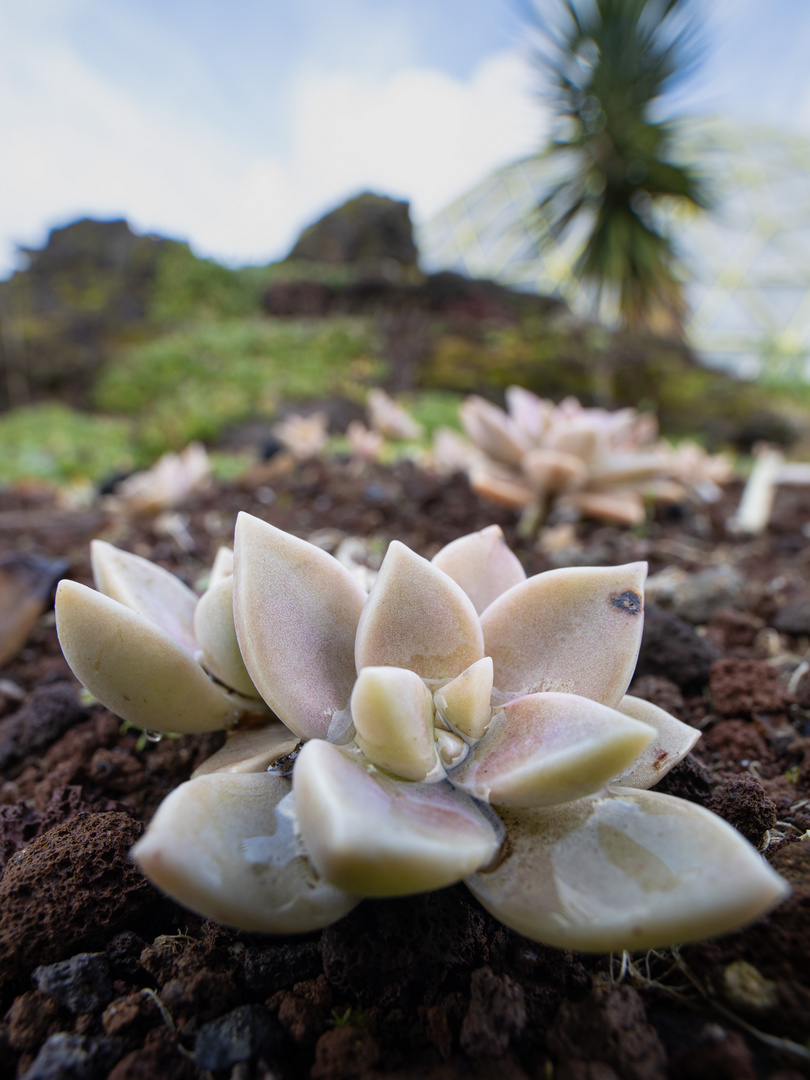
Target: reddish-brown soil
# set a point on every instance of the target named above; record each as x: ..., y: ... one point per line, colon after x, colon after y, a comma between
x: 429, y: 986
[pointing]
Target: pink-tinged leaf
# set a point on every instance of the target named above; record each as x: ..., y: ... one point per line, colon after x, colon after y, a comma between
x: 146, y: 588
x: 216, y: 637
x: 530, y: 412
x: 672, y: 742
x: 225, y: 846
x: 625, y: 870
x: 392, y: 711
x: 417, y: 617
x: 373, y: 835
x: 501, y: 486
x: 575, y: 630
x: 481, y: 564
x: 614, y: 507
x: 579, y: 439
x: 493, y: 431
x: 135, y: 669
x: 628, y: 468
x: 252, y: 750
x: 554, y: 470
x: 296, y: 611
x: 550, y: 748
x: 222, y: 566
x: 464, y: 702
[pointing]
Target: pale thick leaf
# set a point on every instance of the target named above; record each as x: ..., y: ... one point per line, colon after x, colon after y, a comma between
x: 618, y: 468
x: 482, y: 565
x: 614, y: 507
x: 501, y: 486
x: 225, y: 846
x: 392, y: 711
x: 553, y: 470
x: 530, y: 412
x: 252, y: 750
x: 146, y: 588
x: 673, y: 741
x: 492, y: 430
x: 222, y: 566
x: 625, y: 870
x: 134, y: 668
x: 216, y: 637
x: 376, y: 836
x: 550, y: 748
x: 296, y: 611
x: 417, y: 617
x: 575, y: 630
x: 465, y: 701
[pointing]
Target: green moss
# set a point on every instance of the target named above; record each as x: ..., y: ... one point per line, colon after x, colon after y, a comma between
x: 55, y: 443
x: 186, y: 287
x: 192, y: 383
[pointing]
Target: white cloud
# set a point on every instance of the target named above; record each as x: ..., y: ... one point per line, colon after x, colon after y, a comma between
x: 73, y: 143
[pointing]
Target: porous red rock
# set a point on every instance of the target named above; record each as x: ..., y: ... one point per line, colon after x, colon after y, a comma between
x: 69, y: 890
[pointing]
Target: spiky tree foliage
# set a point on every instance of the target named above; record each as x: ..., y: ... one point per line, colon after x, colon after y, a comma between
x: 609, y: 63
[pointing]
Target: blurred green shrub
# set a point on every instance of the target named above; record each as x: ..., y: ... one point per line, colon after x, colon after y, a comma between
x: 191, y: 383
x: 56, y: 443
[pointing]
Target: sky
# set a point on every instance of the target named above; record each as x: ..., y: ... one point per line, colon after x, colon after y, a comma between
x: 232, y: 124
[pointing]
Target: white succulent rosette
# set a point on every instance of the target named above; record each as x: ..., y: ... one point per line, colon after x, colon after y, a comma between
x: 459, y: 722
x: 592, y: 462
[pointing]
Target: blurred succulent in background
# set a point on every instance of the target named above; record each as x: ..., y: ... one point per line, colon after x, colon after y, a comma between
x: 458, y: 722
x: 389, y: 418
x: 303, y: 436
x: 170, y: 481
x: 587, y: 462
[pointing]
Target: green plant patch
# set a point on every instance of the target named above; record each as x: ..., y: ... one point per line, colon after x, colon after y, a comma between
x: 55, y: 443
x: 192, y: 383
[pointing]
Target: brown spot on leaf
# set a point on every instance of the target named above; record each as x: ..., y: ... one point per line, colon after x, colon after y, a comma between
x: 628, y: 601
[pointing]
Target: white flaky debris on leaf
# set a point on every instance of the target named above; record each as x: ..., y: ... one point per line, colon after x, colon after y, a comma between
x: 625, y: 869
x: 225, y: 845
x: 457, y: 722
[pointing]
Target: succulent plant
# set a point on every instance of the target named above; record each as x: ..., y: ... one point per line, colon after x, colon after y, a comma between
x: 589, y: 462
x: 459, y: 722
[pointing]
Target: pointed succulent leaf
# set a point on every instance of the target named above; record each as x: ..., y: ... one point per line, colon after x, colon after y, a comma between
x: 373, y: 835
x: 628, y: 468
x: 501, y: 486
x: 392, y: 711
x: 296, y: 610
x: 581, y: 440
x: 134, y: 668
x: 225, y: 846
x: 672, y: 742
x: 553, y: 470
x: 575, y: 630
x: 491, y: 429
x: 146, y: 588
x: 550, y: 748
x: 417, y: 617
x: 625, y: 869
x: 222, y: 566
x: 615, y: 507
x: 464, y: 702
x: 482, y: 565
x: 252, y: 750
x: 530, y: 412
x: 216, y: 637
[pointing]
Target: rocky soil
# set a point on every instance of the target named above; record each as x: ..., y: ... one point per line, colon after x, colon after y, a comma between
x: 100, y: 976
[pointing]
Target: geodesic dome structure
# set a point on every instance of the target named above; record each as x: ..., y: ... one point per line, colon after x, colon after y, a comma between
x: 745, y: 263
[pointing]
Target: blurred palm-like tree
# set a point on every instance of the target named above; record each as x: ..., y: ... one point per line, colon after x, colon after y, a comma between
x: 610, y: 62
